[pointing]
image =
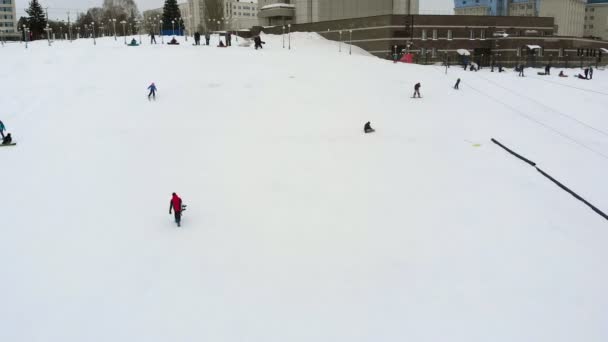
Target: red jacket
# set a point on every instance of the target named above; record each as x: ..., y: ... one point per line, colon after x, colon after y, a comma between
x: 175, y: 204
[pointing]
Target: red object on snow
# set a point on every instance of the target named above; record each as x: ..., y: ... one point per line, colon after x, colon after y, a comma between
x: 407, y: 58
x: 177, y: 203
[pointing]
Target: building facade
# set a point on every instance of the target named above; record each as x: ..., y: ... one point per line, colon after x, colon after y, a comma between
x: 481, y: 7
x: 596, y: 19
x: 491, y: 40
x: 8, y: 18
x: 240, y: 14
x: 281, y: 12
x: 569, y: 14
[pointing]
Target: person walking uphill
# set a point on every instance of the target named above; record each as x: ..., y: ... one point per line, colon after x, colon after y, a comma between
x: 152, y: 38
x: 417, y: 90
x: 457, y: 84
x: 176, y: 205
x: 152, y: 89
x: 207, y: 38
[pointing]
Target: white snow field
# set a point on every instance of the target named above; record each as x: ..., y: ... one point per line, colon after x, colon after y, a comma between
x: 299, y: 227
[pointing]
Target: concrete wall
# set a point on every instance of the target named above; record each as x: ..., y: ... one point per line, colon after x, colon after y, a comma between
x: 569, y: 15
x: 323, y: 10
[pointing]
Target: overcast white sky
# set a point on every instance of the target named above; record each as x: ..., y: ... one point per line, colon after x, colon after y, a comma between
x: 59, y: 8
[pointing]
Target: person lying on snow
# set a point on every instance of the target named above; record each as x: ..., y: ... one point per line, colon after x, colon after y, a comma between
x: 561, y: 74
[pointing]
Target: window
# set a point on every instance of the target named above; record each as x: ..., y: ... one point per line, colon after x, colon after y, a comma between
x: 560, y: 53
x: 449, y: 34
x: 423, y: 34
x: 434, y: 34
x: 541, y: 51
x: 471, y: 35
x: 434, y: 52
x: 518, y: 52
x: 423, y: 51
x: 482, y: 34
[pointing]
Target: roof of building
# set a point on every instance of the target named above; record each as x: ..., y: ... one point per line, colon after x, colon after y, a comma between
x: 590, y: 2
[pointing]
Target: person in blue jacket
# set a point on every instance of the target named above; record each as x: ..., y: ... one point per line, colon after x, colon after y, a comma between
x: 2, y: 129
x: 152, y: 89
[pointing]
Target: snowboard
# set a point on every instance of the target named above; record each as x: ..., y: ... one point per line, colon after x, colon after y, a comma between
x: 11, y: 144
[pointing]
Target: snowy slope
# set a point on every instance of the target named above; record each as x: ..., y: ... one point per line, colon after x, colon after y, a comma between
x: 299, y: 227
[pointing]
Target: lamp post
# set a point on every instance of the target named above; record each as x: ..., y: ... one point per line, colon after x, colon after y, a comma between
x: 283, y: 36
x: 93, y: 29
x: 350, y: 44
x: 340, y: 42
x: 289, y: 35
x: 139, y: 30
x: 124, y: 30
x: 25, y: 35
x: 48, y: 33
x: 173, y: 25
x: 160, y: 31
x: 61, y: 31
x: 114, y: 24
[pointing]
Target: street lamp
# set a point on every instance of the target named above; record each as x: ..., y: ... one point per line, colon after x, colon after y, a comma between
x: 48, y: 33
x: 350, y: 45
x: 340, y: 42
x: 283, y: 36
x: 173, y: 25
x: 114, y: 24
x: 93, y: 29
x: 25, y: 35
x: 139, y: 30
x: 160, y: 31
x: 289, y: 35
x: 124, y: 30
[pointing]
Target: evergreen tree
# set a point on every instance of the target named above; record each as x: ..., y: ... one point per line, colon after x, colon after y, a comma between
x: 171, y: 12
x: 36, y: 19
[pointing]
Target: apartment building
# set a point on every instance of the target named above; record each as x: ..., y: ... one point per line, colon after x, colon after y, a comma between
x: 8, y: 17
x: 240, y: 14
x: 480, y: 7
x: 280, y: 12
x: 596, y: 19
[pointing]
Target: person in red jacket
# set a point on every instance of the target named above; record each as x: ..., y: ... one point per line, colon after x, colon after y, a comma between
x: 176, y: 205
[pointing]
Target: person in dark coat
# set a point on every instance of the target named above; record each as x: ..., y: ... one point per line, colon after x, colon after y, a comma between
x: 207, y: 38
x: 587, y: 73
x: 197, y: 38
x: 7, y: 140
x: 258, y: 42
x: 500, y: 69
x: 590, y: 72
x: 417, y: 90
x: 548, y: 69
x: 228, y: 39
x: 457, y: 84
x: 221, y: 44
x: 368, y: 128
x: 521, y: 70
x: 176, y: 205
x: 152, y: 89
x: 152, y: 38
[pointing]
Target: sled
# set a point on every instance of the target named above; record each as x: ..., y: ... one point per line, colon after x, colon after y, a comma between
x: 11, y: 144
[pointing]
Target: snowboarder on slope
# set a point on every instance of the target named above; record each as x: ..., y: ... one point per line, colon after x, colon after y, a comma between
x: 368, y: 128
x: 417, y: 90
x: 457, y: 84
x: 176, y: 205
x: 152, y: 89
x: 7, y: 140
x: 2, y: 129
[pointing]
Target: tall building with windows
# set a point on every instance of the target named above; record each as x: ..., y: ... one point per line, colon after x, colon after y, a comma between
x: 481, y: 7
x: 596, y: 19
x: 8, y: 17
x: 240, y: 14
x: 279, y: 12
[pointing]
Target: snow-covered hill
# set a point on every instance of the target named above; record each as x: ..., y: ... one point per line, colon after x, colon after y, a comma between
x: 299, y: 227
